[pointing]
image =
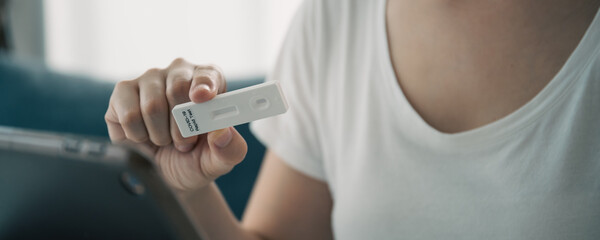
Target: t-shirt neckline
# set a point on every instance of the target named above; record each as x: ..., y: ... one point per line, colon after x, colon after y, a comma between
x: 553, y: 92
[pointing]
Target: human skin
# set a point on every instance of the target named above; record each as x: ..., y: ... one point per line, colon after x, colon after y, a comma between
x: 461, y: 63
x: 466, y: 63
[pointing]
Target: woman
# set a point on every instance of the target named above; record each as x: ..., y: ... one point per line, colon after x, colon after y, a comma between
x: 408, y: 119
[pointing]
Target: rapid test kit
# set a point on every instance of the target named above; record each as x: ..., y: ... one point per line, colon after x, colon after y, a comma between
x: 230, y: 109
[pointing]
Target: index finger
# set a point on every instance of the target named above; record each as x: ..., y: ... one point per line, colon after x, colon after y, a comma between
x: 207, y: 82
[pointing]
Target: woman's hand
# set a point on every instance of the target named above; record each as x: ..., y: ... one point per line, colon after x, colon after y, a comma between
x: 139, y: 111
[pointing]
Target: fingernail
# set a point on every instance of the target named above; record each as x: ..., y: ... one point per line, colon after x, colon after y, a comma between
x: 184, y: 147
x: 203, y: 86
x: 223, y: 137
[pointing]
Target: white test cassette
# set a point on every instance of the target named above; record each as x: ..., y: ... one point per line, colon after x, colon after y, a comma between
x: 230, y: 109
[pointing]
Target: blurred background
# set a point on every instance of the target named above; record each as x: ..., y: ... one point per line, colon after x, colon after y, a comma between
x: 116, y: 40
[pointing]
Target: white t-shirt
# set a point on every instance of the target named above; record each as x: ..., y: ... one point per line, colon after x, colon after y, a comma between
x: 534, y: 174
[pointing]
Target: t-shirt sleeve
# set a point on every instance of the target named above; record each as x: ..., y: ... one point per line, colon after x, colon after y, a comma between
x: 293, y: 136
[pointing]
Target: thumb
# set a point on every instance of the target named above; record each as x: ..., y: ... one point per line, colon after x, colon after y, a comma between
x: 227, y: 149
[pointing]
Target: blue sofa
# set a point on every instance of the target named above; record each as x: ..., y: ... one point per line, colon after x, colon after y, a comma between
x: 33, y: 97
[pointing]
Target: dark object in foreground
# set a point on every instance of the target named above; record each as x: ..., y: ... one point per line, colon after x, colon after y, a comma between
x: 69, y: 187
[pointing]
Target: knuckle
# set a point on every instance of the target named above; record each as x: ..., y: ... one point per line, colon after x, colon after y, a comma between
x: 178, y: 89
x: 217, y: 71
x: 213, y: 73
x: 154, y: 107
x: 108, y: 117
x: 152, y: 88
x: 178, y: 61
x: 202, y: 78
x: 126, y: 84
x: 130, y: 117
x: 152, y: 72
x: 214, y: 70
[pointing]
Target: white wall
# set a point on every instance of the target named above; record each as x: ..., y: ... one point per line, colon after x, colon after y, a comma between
x: 25, y: 20
x: 120, y: 39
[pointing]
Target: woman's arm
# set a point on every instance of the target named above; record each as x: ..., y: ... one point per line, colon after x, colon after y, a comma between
x: 285, y: 204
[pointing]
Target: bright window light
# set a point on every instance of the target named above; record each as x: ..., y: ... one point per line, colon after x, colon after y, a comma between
x: 117, y: 40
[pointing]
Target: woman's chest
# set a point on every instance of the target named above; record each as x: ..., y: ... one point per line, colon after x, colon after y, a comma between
x: 467, y: 65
